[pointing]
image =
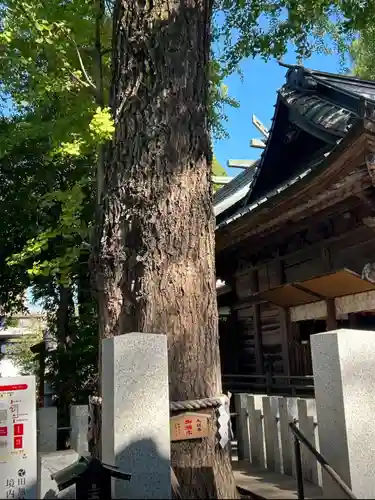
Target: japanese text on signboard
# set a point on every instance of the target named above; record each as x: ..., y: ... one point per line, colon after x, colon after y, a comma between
x: 189, y: 426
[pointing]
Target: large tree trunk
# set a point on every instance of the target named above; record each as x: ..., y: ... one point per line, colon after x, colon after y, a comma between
x: 156, y: 268
x: 62, y: 317
x: 64, y: 383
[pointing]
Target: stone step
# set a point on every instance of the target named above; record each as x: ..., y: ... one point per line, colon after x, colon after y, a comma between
x: 263, y: 484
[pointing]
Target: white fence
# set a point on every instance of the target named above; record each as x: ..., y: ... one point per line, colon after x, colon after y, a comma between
x: 264, y: 436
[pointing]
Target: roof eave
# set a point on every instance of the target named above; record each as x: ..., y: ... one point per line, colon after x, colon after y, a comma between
x: 292, y: 187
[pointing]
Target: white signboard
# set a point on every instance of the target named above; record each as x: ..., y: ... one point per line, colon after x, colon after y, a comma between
x: 18, y: 440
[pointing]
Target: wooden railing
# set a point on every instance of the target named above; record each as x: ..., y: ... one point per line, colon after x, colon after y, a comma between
x: 269, y: 383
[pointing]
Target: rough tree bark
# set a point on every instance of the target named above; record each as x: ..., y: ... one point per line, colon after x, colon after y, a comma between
x: 156, y: 269
x: 62, y: 316
x: 63, y: 385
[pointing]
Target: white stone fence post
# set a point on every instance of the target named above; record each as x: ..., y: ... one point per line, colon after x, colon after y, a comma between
x: 265, y: 439
x: 48, y: 429
x: 344, y: 375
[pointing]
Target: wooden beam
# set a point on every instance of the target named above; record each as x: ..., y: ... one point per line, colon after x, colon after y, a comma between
x: 331, y: 315
x: 278, y: 238
x: 331, y: 322
x: 244, y: 164
x: 370, y: 164
x: 285, y: 324
x: 259, y: 126
x: 297, y: 286
x: 327, y: 258
x: 352, y: 235
x: 231, y: 281
x: 221, y: 179
x: 259, y: 362
x: 368, y: 198
x: 369, y: 222
x: 364, y: 301
x: 286, y: 338
x: 352, y: 320
x: 257, y: 143
x: 305, y: 312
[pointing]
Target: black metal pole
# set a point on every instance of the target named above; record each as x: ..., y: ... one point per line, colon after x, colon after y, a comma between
x: 323, y: 462
x: 297, y: 455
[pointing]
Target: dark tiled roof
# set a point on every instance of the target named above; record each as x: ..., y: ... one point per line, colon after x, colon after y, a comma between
x: 331, y: 118
x: 315, y: 108
x: 234, y: 191
x: 350, y: 84
x: 313, y: 165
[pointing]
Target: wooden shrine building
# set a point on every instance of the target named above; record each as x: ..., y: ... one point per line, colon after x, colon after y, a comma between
x: 295, y: 235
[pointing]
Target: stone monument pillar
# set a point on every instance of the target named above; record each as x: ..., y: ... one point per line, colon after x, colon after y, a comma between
x: 79, y: 417
x: 135, y: 413
x: 344, y: 375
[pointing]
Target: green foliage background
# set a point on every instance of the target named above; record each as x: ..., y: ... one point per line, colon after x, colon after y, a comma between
x: 362, y: 53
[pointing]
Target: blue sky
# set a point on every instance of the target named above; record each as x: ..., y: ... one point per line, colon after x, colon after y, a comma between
x: 33, y: 308
x: 256, y: 93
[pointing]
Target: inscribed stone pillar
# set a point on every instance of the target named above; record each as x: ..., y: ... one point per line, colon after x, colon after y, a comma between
x: 135, y: 413
x: 344, y: 375
x: 79, y: 420
x: 47, y: 427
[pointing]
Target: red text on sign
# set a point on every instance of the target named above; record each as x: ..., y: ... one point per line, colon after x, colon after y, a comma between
x: 18, y: 429
x: 18, y: 443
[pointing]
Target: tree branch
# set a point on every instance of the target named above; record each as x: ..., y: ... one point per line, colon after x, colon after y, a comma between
x: 87, y: 77
x: 109, y: 6
x: 77, y: 78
